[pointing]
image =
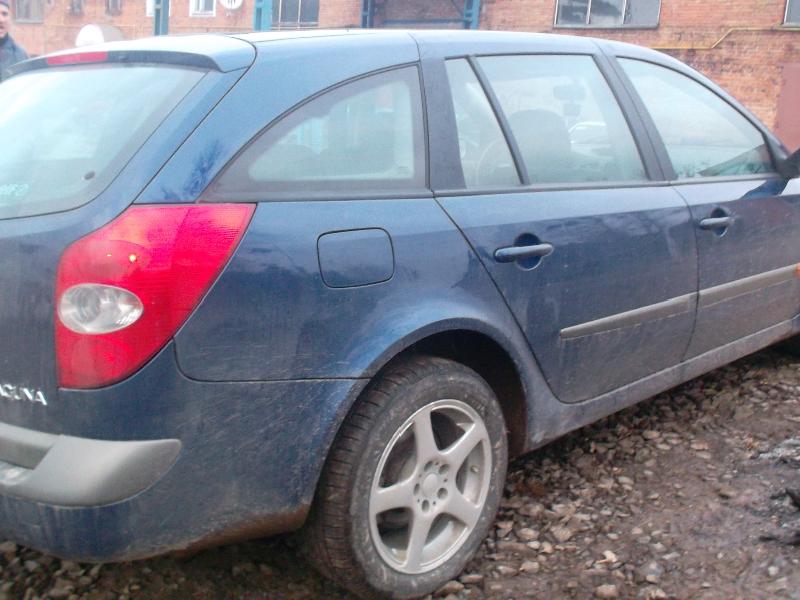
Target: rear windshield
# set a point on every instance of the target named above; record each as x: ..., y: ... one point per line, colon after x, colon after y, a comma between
x: 69, y: 131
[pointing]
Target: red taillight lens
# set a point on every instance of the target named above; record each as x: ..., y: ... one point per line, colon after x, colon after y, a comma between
x: 77, y: 58
x: 164, y: 257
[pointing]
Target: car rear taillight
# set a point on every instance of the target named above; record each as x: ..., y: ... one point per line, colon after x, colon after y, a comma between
x: 76, y: 58
x: 123, y: 290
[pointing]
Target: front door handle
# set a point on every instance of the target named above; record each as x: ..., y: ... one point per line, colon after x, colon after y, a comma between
x: 716, y: 222
x: 512, y: 253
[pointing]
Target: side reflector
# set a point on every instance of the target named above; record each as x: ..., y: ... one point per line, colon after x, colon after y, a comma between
x: 125, y: 289
x: 77, y: 58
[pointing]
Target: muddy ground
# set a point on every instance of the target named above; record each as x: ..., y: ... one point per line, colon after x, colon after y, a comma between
x: 692, y: 494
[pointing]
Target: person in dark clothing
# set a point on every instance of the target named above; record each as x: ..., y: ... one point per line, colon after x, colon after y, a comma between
x: 10, y: 52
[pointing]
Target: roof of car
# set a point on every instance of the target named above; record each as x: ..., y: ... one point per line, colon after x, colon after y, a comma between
x: 448, y: 42
x: 236, y: 50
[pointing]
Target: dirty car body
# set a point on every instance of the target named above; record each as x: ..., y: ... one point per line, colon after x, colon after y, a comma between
x: 575, y: 279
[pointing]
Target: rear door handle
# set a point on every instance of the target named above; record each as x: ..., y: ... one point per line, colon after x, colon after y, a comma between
x: 512, y: 253
x: 716, y: 222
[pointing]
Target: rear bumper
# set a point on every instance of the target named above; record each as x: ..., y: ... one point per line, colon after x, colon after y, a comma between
x: 71, y: 471
x: 161, y: 463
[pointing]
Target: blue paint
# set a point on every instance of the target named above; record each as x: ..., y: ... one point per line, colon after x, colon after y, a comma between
x: 323, y: 292
x: 355, y: 258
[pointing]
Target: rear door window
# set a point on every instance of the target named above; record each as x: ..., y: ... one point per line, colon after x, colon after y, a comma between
x: 69, y: 131
x: 704, y: 135
x: 564, y: 118
x: 485, y: 157
x: 366, y: 135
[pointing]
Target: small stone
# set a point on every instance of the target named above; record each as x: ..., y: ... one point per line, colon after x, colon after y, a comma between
x: 451, y: 587
x: 561, y: 534
x: 773, y: 571
x: 471, y: 578
x: 530, y: 566
x: 699, y: 446
x: 726, y: 491
x: 506, y: 571
x: 651, y: 572
x: 547, y: 548
x: 606, y: 592
x: 654, y: 593
x: 526, y: 534
x: 609, y: 558
x: 31, y: 565
x: 650, y: 434
x: 704, y: 455
x: 8, y: 548
x: 625, y: 480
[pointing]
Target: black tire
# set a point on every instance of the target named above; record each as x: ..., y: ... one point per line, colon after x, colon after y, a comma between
x: 339, y: 535
x: 790, y: 346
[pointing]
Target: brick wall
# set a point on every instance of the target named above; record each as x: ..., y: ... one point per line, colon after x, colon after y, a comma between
x: 741, y: 44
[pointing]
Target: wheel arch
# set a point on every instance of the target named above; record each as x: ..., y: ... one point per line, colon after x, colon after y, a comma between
x: 483, y: 350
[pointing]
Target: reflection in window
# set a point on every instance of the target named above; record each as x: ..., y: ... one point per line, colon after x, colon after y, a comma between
x: 704, y: 135
x: 366, y: 135
x: 607, y: 13
x: 564, y: 119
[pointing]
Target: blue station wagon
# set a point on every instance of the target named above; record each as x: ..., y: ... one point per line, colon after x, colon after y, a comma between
x: 330, y: 281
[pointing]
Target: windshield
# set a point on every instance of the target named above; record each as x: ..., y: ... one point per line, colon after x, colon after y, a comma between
x: 68, y: 132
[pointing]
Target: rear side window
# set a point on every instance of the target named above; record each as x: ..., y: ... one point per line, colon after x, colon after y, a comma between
x: 366, y: 135
x: 485, y: 157
x: 69, y: 131
x: 704, y: 135
x: 564, y: 119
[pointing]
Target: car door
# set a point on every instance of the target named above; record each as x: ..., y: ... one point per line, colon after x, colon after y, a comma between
x: 595, y: 259
x: 746, y: 221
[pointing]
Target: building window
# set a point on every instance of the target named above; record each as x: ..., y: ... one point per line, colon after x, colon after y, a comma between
x: 294, y: 14
x: 202, y: 8
x: 792, y: 12
x: 150, y: 7
x: 607, y: 13
x: 29, y: 11
x: 113, y: 7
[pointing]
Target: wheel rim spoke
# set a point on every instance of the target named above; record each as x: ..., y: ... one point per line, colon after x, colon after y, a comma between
x: 458, y: 452
x: 463, y: 509
x: 423, y: 436
x: 418, y: 535
x: 398, y: 495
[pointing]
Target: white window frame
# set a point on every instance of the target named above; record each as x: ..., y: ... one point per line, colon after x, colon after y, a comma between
x: 280, y: 24
x: 786, y: 20
x: 32, y: 19
x: 193, y: 4
x: 622, y: 25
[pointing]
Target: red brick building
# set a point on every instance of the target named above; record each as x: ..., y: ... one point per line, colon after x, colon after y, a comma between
x: 751, y: 47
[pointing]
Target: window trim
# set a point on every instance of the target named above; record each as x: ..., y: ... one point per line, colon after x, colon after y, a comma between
x: 334, y: 194
x: 661, y: 148
x: 587, y: 25
x: 202, y: 13
x: 31, y: 20
x: 786, y: 20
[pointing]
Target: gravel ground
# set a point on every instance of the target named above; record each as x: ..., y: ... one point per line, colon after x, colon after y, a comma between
x: 693, y: 494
